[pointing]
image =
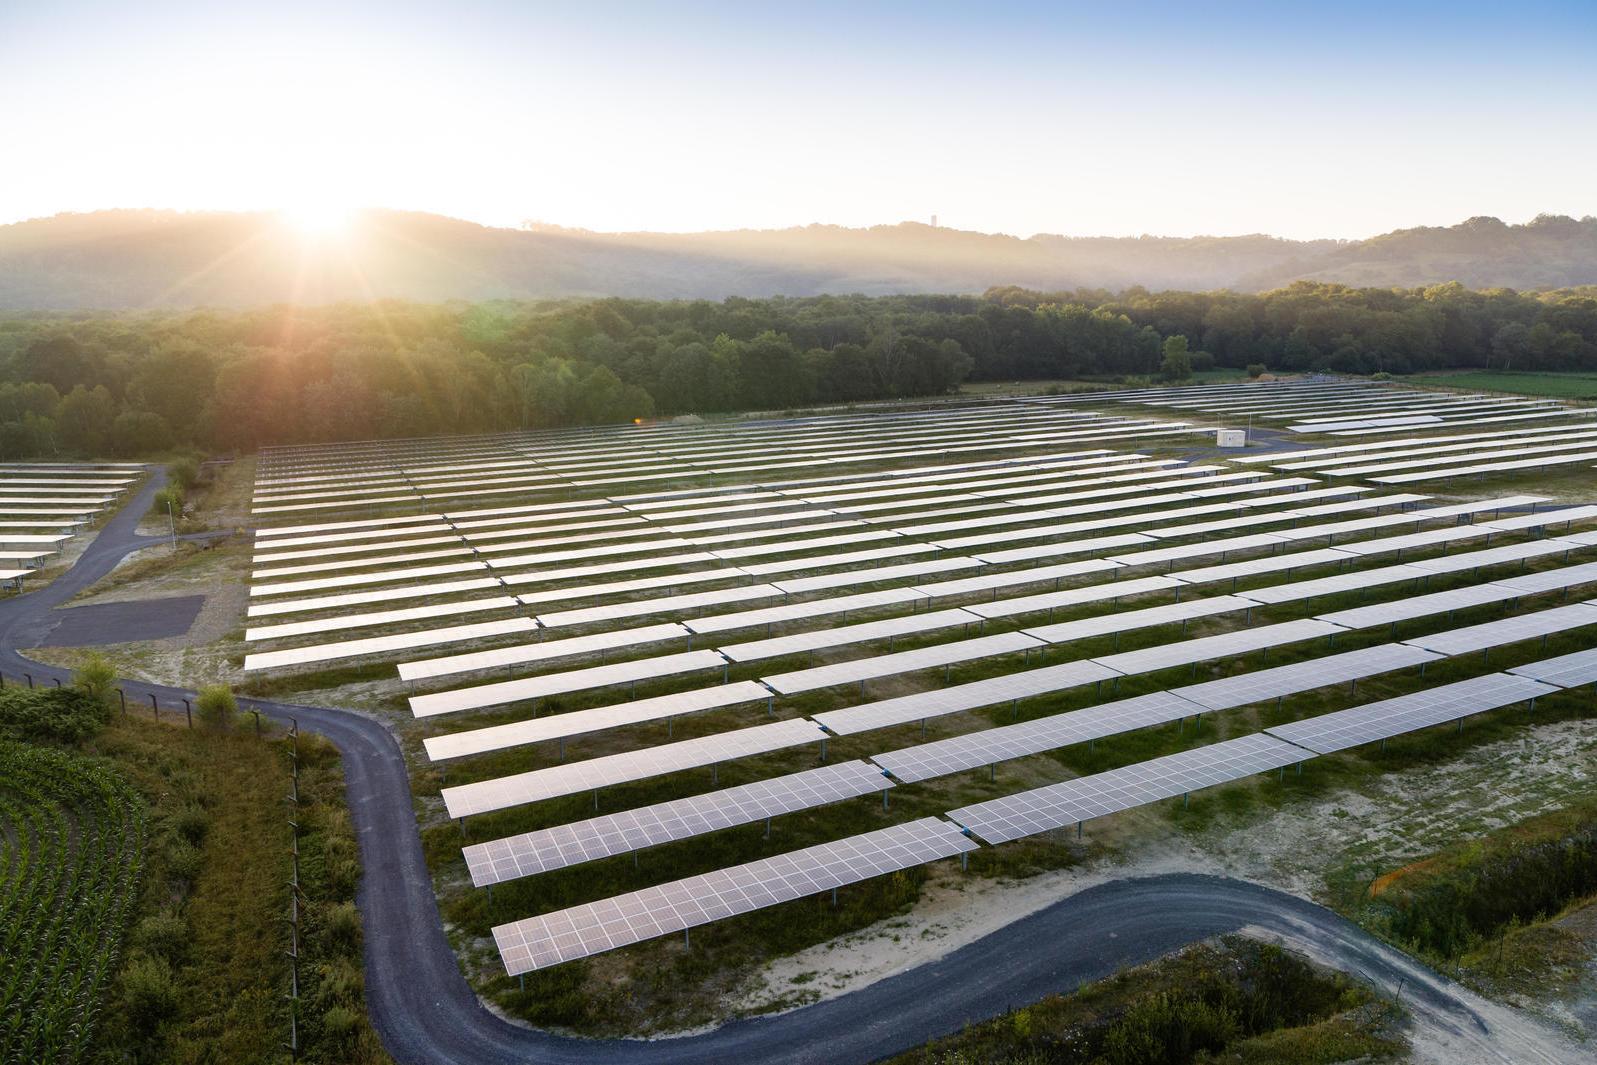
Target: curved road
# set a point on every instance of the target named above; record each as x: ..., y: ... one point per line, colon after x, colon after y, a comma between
x: 428, y: 1015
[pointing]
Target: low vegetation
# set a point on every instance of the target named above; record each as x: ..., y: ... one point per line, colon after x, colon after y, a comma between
x: 72, y: 834
x: 1558, y: 385
x: 144, y: 889
x: 1489, y: 908
x: 1235, y: 1001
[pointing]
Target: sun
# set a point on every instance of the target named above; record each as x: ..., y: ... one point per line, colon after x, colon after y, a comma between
x: 316, y: 219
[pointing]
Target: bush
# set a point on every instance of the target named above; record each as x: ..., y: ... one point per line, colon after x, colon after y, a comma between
x: 216, y: 706
x: 1257, y: 369
x: 184, y: 473
x: 96, y: 678
x: 168, y: 500
x: 164, y: 936
x: 50, y: 715
x: 343, y: 929
x: 191, y: 823
x: 149, y: 993
x: 1201, y: 361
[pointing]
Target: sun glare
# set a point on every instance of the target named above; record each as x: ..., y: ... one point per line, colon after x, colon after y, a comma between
x: 316, y: 219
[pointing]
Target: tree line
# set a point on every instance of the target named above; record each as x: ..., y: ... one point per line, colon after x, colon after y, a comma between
x: 134, y: 383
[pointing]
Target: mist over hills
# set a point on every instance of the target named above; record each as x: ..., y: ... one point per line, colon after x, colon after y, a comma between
x: 146, y: 258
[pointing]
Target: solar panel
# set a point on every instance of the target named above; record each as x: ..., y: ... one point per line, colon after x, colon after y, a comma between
x: 500, y: 860
x: 380, y: 617
x: 572, y: 778
x: 1419, y: 606
x: 1359, y: 725
x: 542, y: 651
x: 354, y: 579
x: 1128, y: 620
x: 385, y: 595
x: 1093, y: 593
x: 382, y: 645
x: 994, y: 581
x: 1356, y: 580
x: 595, y: 719
x: 1450, y: 472
x: 1279, y: 681
x: 1565, y: 671
x: 797, y: 611
x: 511, y: 691
x: 1508, y: 630
x: 840, y: 636
x: 1495, y: 556
x: 1007, y: 742
x: 863, y: 669
x: 1073, y: 801
x: 797, y: 585
x: 1226, y: 644
x: 1256, y: 567
x: 663, y: 605
x: 989, y: 691
x: 1551, y: 580
x: 581, y: 931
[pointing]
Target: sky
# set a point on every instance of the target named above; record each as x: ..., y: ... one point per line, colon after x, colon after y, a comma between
x: 1302, y: 121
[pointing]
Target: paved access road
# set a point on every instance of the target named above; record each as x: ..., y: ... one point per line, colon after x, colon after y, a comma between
x: 427, y: 1014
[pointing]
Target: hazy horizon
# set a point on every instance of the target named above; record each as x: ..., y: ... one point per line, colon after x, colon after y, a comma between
x: 1020, y: 118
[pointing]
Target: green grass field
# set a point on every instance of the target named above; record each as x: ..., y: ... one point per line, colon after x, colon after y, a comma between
x: 1557, y: 385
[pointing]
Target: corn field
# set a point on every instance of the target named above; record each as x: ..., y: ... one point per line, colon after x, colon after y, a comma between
x: 72, y: 836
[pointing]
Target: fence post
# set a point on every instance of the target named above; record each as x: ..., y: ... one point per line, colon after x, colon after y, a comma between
x: 57, y: 681
x: 154, y: 709
x: 122, y: 697
x: 188, y: 711
x: 257, y: 714
x: 30, y: 679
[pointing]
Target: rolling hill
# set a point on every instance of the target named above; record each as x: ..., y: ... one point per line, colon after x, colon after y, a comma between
x: 147, y: 258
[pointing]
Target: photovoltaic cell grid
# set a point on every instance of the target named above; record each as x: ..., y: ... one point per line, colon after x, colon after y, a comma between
x: 582, y: 931
x: 1057, y: 805
x: 1371, y: 722
x: 600, y: 837
x: 990, y: 746
x: 539, y: 784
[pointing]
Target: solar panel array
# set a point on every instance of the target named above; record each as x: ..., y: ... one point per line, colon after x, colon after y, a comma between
x: 1013, y: 510
x: 600, y: 837
x: 582, y: 931
x: 1073, y: 801
x: 44, y: 505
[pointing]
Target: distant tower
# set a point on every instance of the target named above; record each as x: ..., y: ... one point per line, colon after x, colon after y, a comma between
x: 934, y: 221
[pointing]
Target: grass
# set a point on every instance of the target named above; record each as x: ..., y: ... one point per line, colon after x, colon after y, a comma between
x: 206, y: 977
x: 1578, y: 386
x: 1233, y: 1001
x: 1500, y: 909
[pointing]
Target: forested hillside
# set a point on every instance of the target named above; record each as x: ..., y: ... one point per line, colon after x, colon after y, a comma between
x: 166, y: 259
x: 136, y: 382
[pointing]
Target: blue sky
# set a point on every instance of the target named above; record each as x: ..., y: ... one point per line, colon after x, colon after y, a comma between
x: 1324, y: 120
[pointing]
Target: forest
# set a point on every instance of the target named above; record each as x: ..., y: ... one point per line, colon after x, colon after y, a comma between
x: 133, y: 383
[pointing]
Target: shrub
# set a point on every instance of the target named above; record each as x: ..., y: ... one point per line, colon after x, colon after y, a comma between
x: 343, y: 928
x: 184, y: 473
x: 149, y: 993
x: 50, y: 715
x: 216, y: 706
x: 191, y: 823
x: 96, y: 678
x: 1257, y: 369
x: 1202, y: 360
x: 164, y: 936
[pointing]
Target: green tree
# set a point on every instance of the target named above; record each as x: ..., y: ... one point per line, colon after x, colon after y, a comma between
x: 1177, y: 362
x: 83, y: 419
x: 139, y: 432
